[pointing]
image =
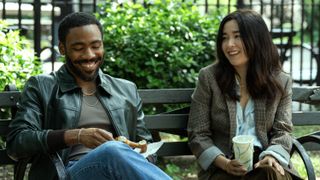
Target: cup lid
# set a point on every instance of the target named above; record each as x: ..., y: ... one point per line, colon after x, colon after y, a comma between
x: 243, y: 139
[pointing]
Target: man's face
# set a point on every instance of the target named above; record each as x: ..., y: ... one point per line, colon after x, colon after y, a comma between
x: 83, y: 51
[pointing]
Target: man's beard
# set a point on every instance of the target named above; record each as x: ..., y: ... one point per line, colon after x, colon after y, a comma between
x: 77, y: 72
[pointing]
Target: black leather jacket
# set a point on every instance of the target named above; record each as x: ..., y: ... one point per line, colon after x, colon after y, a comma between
x: 53, y: 102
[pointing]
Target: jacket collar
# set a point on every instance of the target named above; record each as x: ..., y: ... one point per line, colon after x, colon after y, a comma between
x: 67, y: 82
x: 104, y: 82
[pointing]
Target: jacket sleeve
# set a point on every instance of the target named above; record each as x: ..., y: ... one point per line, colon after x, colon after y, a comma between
x: 280, y: 134
x: 141, y: 130
x: 26, y: 137
x: 199, y: 133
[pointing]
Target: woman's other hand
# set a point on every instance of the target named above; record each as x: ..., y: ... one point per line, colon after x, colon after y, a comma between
x: 270, y: 161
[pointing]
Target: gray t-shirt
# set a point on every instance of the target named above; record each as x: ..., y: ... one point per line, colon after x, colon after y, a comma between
x: 92, y: 115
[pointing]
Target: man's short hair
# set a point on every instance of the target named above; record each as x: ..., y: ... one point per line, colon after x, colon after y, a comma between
x: 76, y: 19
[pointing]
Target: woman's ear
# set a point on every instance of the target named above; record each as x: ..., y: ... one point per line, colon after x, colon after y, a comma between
x: 61, y: 48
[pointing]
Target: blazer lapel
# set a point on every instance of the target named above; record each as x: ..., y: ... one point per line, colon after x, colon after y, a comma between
x: 260, y: 120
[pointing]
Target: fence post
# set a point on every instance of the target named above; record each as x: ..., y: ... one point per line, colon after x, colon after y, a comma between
x: 240, y: 4
x: 37, y: 26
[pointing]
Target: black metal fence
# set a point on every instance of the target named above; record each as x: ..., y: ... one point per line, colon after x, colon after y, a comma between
x: 294, y: 25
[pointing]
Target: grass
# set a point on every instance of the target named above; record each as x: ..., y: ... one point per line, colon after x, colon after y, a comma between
x: 298, y: 164
x: 185, y: 168
x: 180, y: 168
x: 314, y: 155
x: 299, y: 131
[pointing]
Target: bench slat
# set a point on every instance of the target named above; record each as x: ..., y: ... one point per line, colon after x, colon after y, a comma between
x: 311, y: 146
x: 4, y: 123
x: 4, y: 159
x: 174, y: 149
x: 9, y: 99
x: 165, y: 96
x: 306, y: 118
x: 306, y: 94
x: 178, y: 121
x: 183, y: 95
x: 166, y: 121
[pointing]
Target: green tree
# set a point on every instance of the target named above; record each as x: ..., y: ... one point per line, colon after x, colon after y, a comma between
x: 161, y: 45
x: 17, y: 59
x: 311, y: 14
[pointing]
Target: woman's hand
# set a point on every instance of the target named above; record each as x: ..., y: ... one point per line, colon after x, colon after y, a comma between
x: 230, y: 166
x: 270, y: 161
x: 234, y: 167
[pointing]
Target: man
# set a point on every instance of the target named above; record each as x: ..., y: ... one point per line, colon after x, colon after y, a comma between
x: 78, y: 111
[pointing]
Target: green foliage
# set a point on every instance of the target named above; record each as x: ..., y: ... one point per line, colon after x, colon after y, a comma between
x: 162, y: 45
x: 17, y: 59
x: 311, y: 14
x: 179, y: 168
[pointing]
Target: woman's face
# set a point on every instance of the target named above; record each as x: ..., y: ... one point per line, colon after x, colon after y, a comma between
x: 232, y: 45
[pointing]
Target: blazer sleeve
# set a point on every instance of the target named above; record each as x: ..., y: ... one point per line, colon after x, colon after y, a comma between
x: 280, y: 135
x: 199, y: 133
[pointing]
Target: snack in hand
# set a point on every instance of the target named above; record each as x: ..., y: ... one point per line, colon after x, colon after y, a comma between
x: 142, y: 145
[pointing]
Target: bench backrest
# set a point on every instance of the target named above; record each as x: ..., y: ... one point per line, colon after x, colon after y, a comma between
x: 174, y: 122
x: 178, y: 121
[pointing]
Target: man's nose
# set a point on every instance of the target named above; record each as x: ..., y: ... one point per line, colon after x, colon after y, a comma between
x: 88, y: 54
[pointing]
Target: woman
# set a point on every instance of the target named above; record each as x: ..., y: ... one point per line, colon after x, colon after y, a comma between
x: 244, y: 93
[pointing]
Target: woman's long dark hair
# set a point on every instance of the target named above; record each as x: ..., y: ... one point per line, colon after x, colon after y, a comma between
x: 264, y: 61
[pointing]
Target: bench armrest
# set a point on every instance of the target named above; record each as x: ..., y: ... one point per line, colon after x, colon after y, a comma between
x: 58, y: 164
x: 21, y: 166
x: 297, y: 146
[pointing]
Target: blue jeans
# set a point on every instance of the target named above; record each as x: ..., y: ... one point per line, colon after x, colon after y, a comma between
x: 114, y: 160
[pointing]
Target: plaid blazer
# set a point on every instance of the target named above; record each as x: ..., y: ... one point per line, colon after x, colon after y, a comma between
x: 212, y: 120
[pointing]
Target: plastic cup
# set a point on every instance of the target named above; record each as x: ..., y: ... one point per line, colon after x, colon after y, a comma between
x: 243, y: 150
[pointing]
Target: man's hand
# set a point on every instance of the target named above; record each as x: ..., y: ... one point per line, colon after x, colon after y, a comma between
x: 93, y: 137
x: 89, y: 137
x: 270, y: 161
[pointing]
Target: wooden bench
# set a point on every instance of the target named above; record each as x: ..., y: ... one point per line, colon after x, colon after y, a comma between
x: 175, y: 122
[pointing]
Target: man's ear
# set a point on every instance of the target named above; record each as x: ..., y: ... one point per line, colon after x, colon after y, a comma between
x: 62, y: 48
